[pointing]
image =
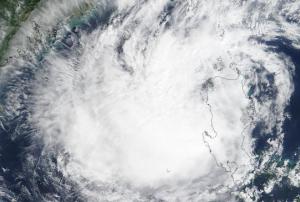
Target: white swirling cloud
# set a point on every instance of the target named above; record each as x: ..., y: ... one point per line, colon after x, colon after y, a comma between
x: 157, y: 103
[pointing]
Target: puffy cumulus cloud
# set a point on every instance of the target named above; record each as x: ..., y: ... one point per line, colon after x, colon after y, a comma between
x: 161, y: 101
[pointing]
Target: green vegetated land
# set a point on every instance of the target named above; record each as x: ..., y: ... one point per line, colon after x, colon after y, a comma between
x: 13, y: 13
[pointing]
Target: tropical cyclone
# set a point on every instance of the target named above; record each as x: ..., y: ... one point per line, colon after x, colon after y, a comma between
x: 152, y: 100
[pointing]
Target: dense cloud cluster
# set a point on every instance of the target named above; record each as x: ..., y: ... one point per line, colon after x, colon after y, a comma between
x: 147, y: 100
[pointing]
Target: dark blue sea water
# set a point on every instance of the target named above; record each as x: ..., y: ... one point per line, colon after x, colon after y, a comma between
x: 284, y: 191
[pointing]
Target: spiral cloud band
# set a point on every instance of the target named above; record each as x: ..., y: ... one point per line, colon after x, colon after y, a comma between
x: 149, y: 100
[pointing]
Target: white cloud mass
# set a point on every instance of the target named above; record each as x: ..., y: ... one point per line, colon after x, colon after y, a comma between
x: 156, y: 104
